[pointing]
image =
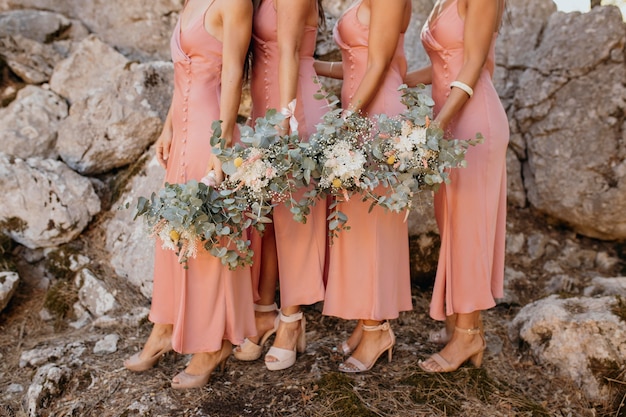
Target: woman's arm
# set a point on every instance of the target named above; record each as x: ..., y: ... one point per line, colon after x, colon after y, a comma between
x: 236, y: 33
x: 330, y: 69
x: 386, y: 18
x: 419, y: 76
x: 164, y: 142
x: 292, y: 17
x: 480, y: 24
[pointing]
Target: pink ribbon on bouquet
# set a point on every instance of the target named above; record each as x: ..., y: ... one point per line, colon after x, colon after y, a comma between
x: 290, y: 113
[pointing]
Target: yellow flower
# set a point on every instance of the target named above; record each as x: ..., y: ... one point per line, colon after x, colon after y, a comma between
x: 336, y: 183
x: 174, y: 235
x: 391, y: 160
x: 238, y: 162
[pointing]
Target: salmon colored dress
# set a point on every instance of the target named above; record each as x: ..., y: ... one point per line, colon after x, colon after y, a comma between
x: 369, y: 276
x: 471, y: 210
x: 206, y: 302
x: 301, y: 248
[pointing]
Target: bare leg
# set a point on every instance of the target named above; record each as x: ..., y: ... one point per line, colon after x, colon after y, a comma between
x: 287, y: 334
x: 267, y: 286
x: 462, y: 344
x: 371, y: 345
x: 160, y: 339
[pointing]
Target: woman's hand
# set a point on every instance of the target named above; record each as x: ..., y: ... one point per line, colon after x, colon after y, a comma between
x: 163, y: 145
x: 214, y: 174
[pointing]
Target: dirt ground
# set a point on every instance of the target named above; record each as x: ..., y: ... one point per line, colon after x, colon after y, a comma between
x: 510, y: 383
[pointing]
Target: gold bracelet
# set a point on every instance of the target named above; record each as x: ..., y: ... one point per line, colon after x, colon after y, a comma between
x: 461, y: 85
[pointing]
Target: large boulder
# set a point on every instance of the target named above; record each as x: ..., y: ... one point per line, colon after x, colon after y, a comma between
x: 30, y: 60
x: 28, y: 126
x: 127, y: 240
x: 139, y: 29
x: 117, y: 109
x: 45, y: 203
x: 39, y: 25
x: 568, y: 106
x: 581, y: 337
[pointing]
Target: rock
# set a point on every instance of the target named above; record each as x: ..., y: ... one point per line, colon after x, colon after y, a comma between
x: 48, y: 383
x: 29, y: 124
x: 516, y: 287
x: 601, y: 286
x: 128, y: 241
x: 606, y: 262
x: 45, y: 203
x: 30, y: 60
x: 93, y: 294
x: 562, y: 283
x: 575, y: 170
x: 113, y: 125
x: 38, y: 25
x: 516, y: 194
x: 140, y: 29
x: 15, y: 389
x: 578, y: 336
x: 134, y: 318
x: 8, y: 286
x: 106, y: 345
x: 514, y: 242
x: 67, y: 354
x: 537, y: 245
x: 92, y: 66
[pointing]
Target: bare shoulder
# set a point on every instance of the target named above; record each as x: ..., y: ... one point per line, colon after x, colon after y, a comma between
x: 236, y: 7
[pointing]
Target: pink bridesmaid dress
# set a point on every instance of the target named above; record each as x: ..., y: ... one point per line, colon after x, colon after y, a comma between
x: 207, y: 302
x: 471, y: 210
x: 369, y: 276
x: 301, y: 248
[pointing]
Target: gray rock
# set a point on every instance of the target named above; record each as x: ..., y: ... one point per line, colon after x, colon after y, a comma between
x: 601, y: 286
x: 30, y: 60
x: 113, y: 125
x: 516, y: 285
x: 8, y: 286
x: 133, y: 318
x: 572, y: 335
x: 140, y: 29
x: 93, y: 294
x: 46, y: 203
x: 66, y: 354
x: 29, y: 124
x: 516, y: 194
x: 106, y: 345
x: 515, y: 242
x: 14, y: 389
x: 92, y: 65
x: 38, y: 25
x: 574, y: 170
x: 128, y: 241
x: 606, y: 262
x: 47, y: 384
x: 537, y: 245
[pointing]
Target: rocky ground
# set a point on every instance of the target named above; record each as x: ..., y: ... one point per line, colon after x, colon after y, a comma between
x: 50, y: 368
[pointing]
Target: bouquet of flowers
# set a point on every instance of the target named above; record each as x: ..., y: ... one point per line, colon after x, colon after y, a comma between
x: 194, y: 215
x: 265, y: 169
x: 353, y: 154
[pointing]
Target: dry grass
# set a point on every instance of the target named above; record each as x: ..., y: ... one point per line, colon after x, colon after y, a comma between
x: 509, y: 384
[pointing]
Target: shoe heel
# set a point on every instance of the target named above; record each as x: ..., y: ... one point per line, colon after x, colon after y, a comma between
x: 477, y: 359
x: 390, y: 354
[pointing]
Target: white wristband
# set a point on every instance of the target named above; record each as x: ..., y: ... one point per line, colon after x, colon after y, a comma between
x: 462, y: 86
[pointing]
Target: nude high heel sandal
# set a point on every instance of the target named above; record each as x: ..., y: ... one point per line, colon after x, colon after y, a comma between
x: 136, y: 364
x: 352, y: 365
x: 285, y: 357
x: 184, y: 380
x: 476, y: 357
x: 250, y: 351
